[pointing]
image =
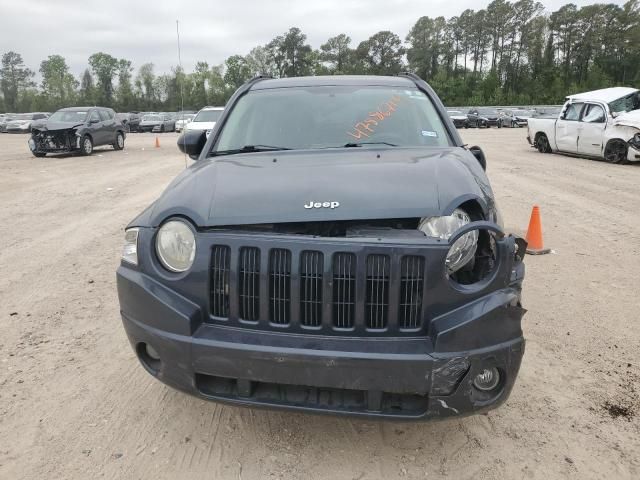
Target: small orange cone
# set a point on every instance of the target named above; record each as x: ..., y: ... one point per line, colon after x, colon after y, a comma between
x: 534, y: 234
x: 157, y: 142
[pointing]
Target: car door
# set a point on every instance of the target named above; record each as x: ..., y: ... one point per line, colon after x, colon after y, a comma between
x: 108, y: 126
x: 568, y: 128
x: 592, y: 126
x: 95, y: 127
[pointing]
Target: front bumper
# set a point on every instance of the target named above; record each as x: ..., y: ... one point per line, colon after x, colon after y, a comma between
x: 428, y: 375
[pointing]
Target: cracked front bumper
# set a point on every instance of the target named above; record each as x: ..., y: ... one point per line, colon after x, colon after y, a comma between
x: 412, y: 378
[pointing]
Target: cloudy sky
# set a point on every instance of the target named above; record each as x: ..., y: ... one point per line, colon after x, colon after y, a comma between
x: 209, y: 30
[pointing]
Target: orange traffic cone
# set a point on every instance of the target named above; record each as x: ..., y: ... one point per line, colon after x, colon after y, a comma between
x: 157, y: 142
x: 534, y: 234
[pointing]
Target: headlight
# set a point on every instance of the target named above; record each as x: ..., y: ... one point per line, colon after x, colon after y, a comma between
x: 176, y: 246
x: 463, y: 250
x: 130, y: 249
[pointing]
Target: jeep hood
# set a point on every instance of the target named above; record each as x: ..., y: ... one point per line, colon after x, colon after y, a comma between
x: 629, y: 119
x: 274, y: 187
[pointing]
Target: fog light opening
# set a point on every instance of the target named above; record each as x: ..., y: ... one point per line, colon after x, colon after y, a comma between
x: 488, y: 379
x: 149, y: 357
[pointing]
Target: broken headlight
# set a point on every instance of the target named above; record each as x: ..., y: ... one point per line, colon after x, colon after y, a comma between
x: 463, y: 250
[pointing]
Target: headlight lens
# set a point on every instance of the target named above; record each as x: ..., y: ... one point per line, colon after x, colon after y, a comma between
x: 176, y: 246
x: 130, y: 249
x: 463, y: 250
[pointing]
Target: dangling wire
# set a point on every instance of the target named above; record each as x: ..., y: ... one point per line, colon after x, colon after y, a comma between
x: 181, y: 90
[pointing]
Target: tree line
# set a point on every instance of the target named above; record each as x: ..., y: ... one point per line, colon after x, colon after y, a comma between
x: 508, y: 53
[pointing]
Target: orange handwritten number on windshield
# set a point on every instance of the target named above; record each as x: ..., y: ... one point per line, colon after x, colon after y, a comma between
x: 363, y: 128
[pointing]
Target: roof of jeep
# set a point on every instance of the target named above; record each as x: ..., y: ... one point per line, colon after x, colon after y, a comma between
x: 333, y: 80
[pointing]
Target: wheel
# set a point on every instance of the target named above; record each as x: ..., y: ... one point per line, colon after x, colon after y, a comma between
x: 162, y: 129
x: 499, y: 123
x: 543, y: 144
x: 616, y: 151
x: 86, y: 146
x: 119, y: 143
x: 514, y: 124
x: 466, y: 125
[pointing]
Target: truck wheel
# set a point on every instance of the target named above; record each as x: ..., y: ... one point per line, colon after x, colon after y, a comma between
x: 119, y: 143
x: 543, y: 144
x: 616, y: 152
x: 86, y: 146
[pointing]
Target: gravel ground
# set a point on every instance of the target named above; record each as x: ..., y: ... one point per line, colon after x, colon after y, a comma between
x: 75, y: 404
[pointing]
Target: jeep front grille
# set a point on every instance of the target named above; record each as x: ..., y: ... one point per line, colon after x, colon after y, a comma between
x: 330, y: 292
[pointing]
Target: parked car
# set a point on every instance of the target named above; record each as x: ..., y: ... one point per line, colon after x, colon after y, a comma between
x: 483, y: 117
x: 77, y: 130
x: 157, y: 122
x: 4, y: 120
x: 205, y: 119
x: 335, y: 248
x: 21, y: 123
x: 183, y: 120
x: 514, y: 118
x: 603, y: 124
x: 458, y: 118
x: 131, y: 121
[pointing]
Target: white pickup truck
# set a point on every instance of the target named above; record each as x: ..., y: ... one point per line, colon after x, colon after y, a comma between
x: 603, y: 124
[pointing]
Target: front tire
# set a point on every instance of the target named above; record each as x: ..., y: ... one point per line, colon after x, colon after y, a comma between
x: 543, y: 144
x: 119, y: 142
x: 162, y: 129
x: 616, y: 152
x: 86, y: 146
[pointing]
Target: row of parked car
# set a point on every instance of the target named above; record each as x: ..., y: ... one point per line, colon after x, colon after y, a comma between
x: 80, y: 129
x: 486, y: 117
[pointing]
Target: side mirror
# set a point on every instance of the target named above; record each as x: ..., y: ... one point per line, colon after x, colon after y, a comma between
x: 479, y: 154
x: 192, y: 142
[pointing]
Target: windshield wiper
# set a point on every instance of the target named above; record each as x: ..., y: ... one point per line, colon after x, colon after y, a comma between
x: 359, y: 144
x: 249, y: 149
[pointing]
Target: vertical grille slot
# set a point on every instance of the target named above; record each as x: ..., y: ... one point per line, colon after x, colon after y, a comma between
x: 377, y: 299
x: 249, y: 283
x: 344, y: 289
x: 311, y: 270
x: 411, y: 283
x: 280, y: 286
x: 220, y: 265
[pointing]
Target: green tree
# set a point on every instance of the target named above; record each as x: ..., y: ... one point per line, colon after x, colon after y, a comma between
x: 382, y: 53
x: 104, y: 67
x: 87, y: 89
x: 237, y: 71
x: 58, y: 84
x: 126, y: 100
x: 337, y: 53
x: 15, y: 79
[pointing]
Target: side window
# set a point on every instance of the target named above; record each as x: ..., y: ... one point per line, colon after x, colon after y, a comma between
x: 594, y: 114
x: 94, y: 116
x: 573, y: 112
x: 103, y: 115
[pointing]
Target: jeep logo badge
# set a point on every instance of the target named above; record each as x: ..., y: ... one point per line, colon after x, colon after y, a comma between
x: 330, y: 205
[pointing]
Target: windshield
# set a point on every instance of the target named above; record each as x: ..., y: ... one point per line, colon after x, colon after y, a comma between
x: 333, y: 117
x: 152, y: 118
x: 626, y: 104
x: 208, y: 116
x: 69, y: 116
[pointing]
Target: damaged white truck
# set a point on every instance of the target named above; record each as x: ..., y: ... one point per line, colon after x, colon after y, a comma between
x: 603, y: 124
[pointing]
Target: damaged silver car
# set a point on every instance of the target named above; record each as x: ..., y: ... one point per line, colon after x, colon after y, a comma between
x: 77, y: 130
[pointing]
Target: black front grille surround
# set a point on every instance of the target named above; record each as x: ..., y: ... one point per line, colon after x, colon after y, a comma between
x: 293, y: 288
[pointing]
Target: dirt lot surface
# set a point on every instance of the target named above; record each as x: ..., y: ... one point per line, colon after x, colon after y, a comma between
x: 75, y: 404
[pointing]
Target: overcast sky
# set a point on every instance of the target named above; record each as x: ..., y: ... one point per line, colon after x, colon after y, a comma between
x: 145, y: 31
